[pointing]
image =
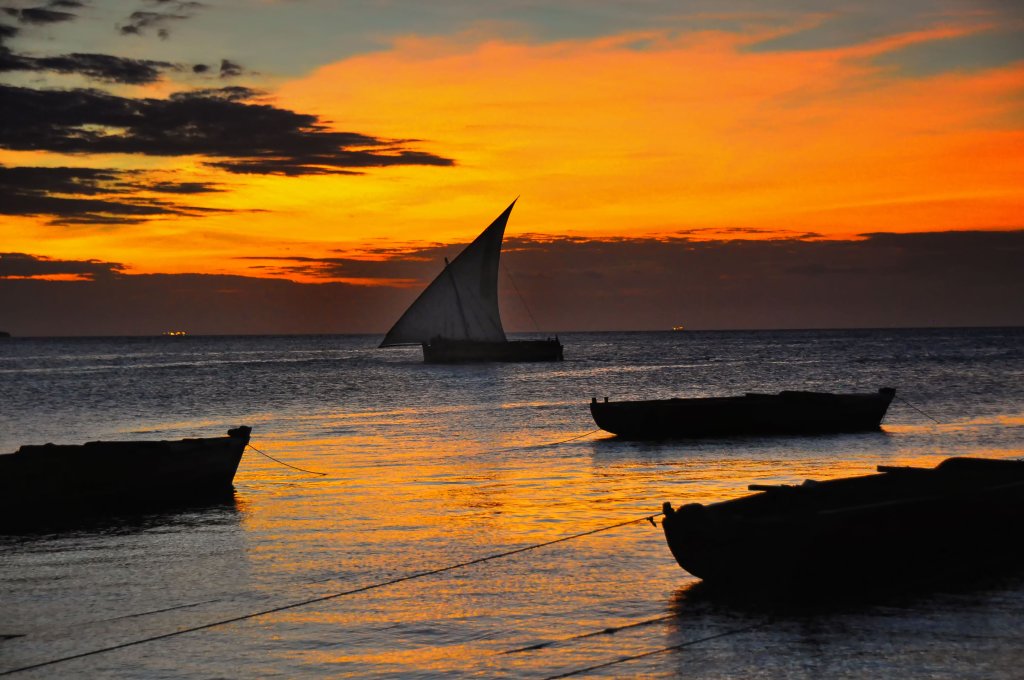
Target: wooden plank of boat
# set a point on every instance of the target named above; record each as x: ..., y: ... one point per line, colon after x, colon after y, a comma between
x: 51, y: 479
x: 788, y: 412
x: 902, y: 523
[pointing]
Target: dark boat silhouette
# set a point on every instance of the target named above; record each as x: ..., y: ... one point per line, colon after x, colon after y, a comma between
x: 788, y: 412
x: 51, y: 479
x: 903, y: 524
x: 456, y: 317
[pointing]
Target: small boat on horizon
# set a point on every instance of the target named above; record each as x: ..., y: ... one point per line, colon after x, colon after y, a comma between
x: 456, y: 318
x: 788, y: 412
x: 51, y: 480
x: 904, y: 524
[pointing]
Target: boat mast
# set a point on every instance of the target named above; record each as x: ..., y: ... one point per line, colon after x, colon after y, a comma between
x: 458, y: 299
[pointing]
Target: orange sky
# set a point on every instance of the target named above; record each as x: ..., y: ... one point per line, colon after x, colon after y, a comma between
x: 635, y: 134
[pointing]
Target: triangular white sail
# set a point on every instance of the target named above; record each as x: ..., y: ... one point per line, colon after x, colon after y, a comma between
x: 462, y: 302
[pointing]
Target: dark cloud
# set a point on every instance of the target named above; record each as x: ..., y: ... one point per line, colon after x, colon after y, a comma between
x: 200, y: 68
x: 102, y: 67
x: 201, y: 304
x: 244, y: 137
x: 882, y: 280
x: 39, y: 15
x: 334, y: 162
x: 24, y: 265
x: 98, y: 66
x: 182, y: 187
x: 417, y: 266
x: 948, y: 278
x: 81, y: 181
x: 71, y: 211
x: 180, y: 5
x: 69, y: 196
x: 139, y: 23
x: 229, y: 69
x: 945, y: 278
x: 145, y: 21
x: 230, y: 93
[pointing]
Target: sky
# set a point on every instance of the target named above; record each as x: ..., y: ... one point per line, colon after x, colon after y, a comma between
x: 295, y: 166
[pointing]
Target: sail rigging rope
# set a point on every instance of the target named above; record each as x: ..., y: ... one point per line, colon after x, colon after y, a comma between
x: 331, y: 596
x: 536, y: 326
x: 262, y: 453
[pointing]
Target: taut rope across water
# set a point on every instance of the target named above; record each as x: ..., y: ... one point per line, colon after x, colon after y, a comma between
x: 312, y: 472
x: 332, y: 596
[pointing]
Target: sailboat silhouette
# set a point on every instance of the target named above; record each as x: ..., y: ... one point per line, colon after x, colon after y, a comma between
x: 456, y: 317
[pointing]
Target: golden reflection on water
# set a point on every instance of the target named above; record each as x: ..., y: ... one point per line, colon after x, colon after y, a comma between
x: 473, y: 462
x: 401, y: 496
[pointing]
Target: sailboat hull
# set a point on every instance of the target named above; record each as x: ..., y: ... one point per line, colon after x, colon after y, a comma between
x: 443, y: 351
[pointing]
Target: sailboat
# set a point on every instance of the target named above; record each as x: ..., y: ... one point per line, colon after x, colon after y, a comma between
x: 456, y: 317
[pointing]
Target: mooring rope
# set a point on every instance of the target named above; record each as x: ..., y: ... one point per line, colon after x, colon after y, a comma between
x: 496, y: 451
x: 508, y: 273
x: 579, y: 436
x: 312, y: 472
x: 543, y: 445
x: 611, y: 630
x: 688, y: 643
x: 331, y: 596
x: 155, y: 611
x: 917, y: 409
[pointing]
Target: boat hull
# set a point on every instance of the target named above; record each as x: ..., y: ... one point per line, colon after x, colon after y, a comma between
x: 902, y: 526
x: 51, y: 480
x: 442, y: 351
x: 789, y: 412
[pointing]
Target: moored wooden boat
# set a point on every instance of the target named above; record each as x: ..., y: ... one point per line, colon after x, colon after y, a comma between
x: 788, y: 412
x: 902, y: 524
x: 51, y: 479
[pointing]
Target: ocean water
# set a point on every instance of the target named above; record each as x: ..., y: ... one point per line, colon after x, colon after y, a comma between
x: 432, y: 466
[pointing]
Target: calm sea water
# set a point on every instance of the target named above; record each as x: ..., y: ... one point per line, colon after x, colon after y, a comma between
x: 428, y: 466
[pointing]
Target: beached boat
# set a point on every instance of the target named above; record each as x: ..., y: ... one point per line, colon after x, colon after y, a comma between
x: 51, y: 479
x: 456, y: 317
x: 788, y: 412
x: 904, y: 523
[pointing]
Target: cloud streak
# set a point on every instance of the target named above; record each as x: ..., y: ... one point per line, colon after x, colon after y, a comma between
x: 103, y: 67
x: 220, y: 124
x: 70, y: 196
x: 42, y: 15
x: 143, y: 22
x: 23, y: 265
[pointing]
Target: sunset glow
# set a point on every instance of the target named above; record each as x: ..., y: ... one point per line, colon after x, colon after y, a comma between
x: 678, y: 124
